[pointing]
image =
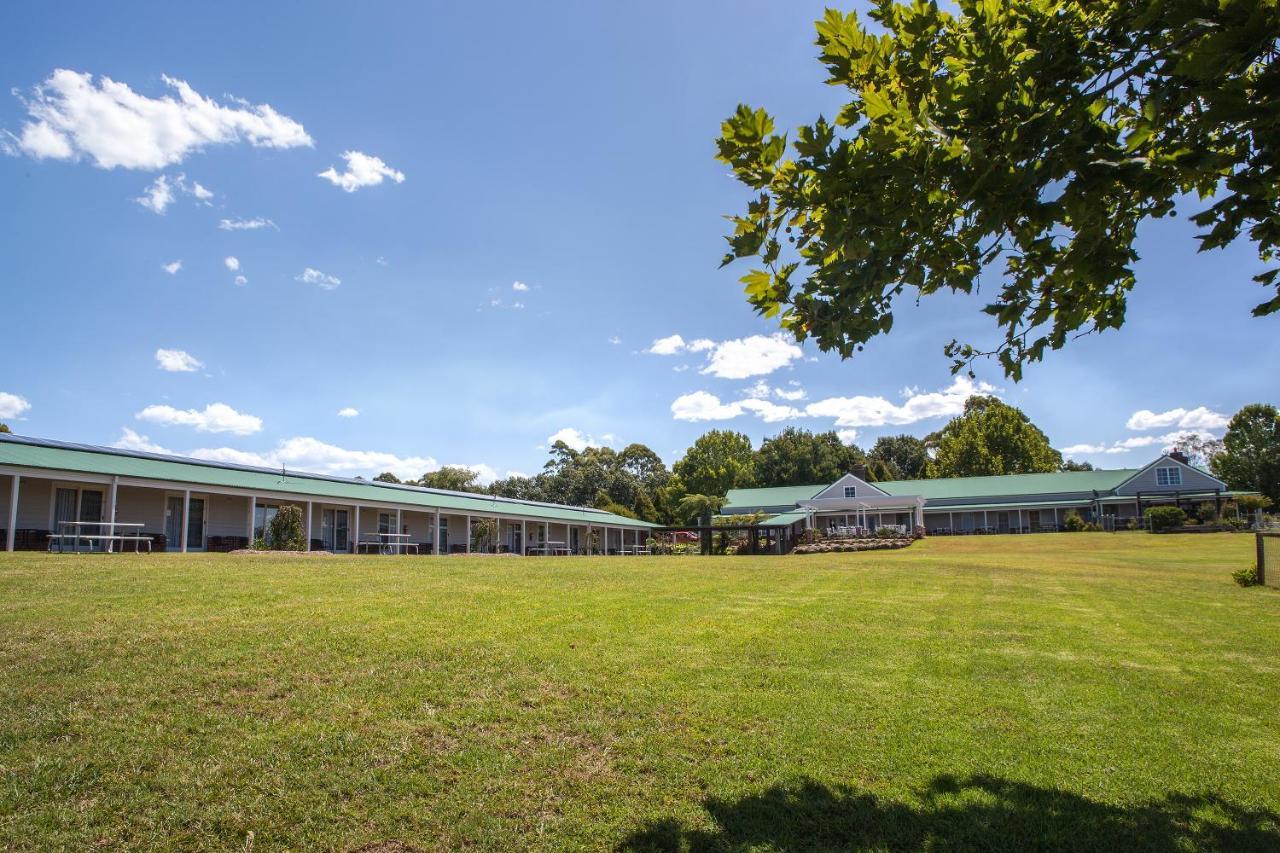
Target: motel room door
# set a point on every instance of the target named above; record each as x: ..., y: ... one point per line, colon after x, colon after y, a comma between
x: 333, y: 529
x: 173, y: 524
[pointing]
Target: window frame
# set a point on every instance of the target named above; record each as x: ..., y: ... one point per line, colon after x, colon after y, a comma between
x: 850, y: 492
x: 1168, y: 475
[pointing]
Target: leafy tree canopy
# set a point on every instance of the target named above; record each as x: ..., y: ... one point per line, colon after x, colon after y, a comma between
x: 1250, y: 456
x: 1025, y: 138
x: 718, y: 461
x: 904, y: 457
x: 386, y: 477
x: 797, y: 457
x: 992, y: 437
x: 1073, y: 465
x: 4, y: 428
x: 453, y: 478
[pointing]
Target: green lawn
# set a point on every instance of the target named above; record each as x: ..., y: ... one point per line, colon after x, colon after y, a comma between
x: 1081, y: 691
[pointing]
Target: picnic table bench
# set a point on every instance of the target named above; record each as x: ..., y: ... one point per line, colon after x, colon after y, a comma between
x: 71, y: 530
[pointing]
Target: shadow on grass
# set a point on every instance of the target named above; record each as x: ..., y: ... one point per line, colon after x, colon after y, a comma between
x: 975, y: 813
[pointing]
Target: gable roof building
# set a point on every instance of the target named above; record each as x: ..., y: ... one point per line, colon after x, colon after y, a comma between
x: 1010, y: 503
x: 192, y: 504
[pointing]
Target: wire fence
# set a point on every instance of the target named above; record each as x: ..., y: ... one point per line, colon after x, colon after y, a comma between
x: 1269, y: 557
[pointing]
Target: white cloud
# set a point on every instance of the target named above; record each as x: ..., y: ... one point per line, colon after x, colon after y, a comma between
x: 177, y: 361
x: 130, y: 440
x: 862, y: 411
x: 702, y: 406
x: 519, y: 286
x: 615, y: 340
x: 348, y: 412
x: 157, y: 196
x: 701, y: 345
x: 215, y: 417
x: 1197, y: 418
x: 363, y: 170
x: 847, y: 436
x: 246, y: 224
x: 667, y: 346
x: 1074, y: 449
x: 314, y: 276
x: 791, y: 395
x: 163, y: 191
x: 756, y: 355
x: 485, y: 474
x: 74, y: 117
x: 380, y: 261
x: 1138, y: 442
x: 172, y: 267
x: 241, y: 281
x: 500, y: 304
x: 769, y: 411
x: 233, y: 263
x: 12, y: 406
x: 578, y: 440
x: 312, y: 455
x: 846, y: 411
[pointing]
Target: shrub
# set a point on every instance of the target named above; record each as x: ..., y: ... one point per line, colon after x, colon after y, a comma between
x: 1074, y: 523
x: 1207, y: 513
x: 1246, y: 577
x: 284, y: 533
x: 1161, y: 518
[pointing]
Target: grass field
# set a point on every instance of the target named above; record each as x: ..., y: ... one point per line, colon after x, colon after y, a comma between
x: 1085, y: 691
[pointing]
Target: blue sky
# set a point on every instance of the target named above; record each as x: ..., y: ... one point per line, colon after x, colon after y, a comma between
x: 531, y: 213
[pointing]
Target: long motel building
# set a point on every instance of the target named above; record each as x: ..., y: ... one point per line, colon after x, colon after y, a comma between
x: 54, y: 491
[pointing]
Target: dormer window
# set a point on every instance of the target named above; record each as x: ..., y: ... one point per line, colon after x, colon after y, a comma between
x: 1169, y: 476
x: 850, y: 491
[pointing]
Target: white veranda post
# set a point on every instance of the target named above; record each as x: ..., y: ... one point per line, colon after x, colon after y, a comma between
x: 115, y: 484
x: 356, y: 534
x: 524, y: 542
x: 307, y: 527
x: 253, y: 507
x: 186, y: 518
x: 11, y: 532
x: 468, y: 534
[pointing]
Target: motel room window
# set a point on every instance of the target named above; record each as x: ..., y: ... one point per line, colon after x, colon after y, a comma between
x: 1168, y: 477
x: 850, y: 491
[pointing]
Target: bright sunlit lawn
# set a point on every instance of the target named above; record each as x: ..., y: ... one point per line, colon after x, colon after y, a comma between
x: 1068, y: 691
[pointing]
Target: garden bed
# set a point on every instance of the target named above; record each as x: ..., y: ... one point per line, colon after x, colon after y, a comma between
x: 846, y: 546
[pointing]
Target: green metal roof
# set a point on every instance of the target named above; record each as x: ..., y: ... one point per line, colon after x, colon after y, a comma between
x: 1058, y: 482
x: 61, y: 456
x: 1005, y: 485
x: 776, y: 496
x: 785, y: 519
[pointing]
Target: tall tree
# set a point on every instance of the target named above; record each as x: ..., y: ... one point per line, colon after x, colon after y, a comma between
x: 904, y: 455
x: 992, y: 437
x: 453, y: 478
x: 1198, y: 449
x: 1073, y: 465
x: 1028, y: 139
x: 4, y: 428
x: 718, y: 461
x: 386, y: 477
x: 1250, y: 457
x: 797, y: 457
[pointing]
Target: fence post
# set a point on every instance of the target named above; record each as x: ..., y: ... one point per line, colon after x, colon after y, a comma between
x: 1261, y: 553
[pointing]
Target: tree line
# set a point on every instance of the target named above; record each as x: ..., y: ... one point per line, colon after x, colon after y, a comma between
x: 989, y: 437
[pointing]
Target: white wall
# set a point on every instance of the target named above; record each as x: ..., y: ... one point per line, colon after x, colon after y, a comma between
x: 33, y: 503
x: 138, y: 505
